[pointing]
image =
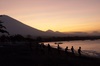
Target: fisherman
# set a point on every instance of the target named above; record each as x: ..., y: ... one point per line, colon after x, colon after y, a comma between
x: 58, y: 49
x: 72, y: 49
x: 66, y: 49
x: 79, y: 51
x: 49, y: 48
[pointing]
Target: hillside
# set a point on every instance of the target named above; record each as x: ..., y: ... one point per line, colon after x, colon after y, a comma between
x: 16, y: 27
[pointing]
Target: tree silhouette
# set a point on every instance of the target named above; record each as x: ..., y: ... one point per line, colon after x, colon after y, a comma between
x: 2, y: 28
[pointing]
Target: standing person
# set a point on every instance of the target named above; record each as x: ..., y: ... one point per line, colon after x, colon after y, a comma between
x: 72, y: 49
x: 66, y: 49
x: 79, y: 51
x: 49, y: 48
x: 58, y: 49
x: 42, y: 48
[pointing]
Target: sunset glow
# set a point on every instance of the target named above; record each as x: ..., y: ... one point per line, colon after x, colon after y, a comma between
x: 57, y: 15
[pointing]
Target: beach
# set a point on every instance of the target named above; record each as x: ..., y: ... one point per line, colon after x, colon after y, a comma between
x: 34, y: 54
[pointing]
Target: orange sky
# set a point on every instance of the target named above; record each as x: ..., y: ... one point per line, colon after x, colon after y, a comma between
x: 57, y: 15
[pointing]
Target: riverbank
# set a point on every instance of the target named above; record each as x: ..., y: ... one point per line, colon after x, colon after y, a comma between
x: 33, y: 54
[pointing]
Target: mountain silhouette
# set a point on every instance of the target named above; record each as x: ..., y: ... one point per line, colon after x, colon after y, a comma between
x: 16, y: 27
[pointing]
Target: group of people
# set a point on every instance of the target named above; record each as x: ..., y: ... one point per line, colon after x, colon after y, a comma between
x: 66, y: 49
x: 73, y: 51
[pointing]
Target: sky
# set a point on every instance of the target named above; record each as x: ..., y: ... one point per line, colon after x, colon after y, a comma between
x: 57, y: 15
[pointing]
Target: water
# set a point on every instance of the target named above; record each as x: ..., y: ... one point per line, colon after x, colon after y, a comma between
x: 90, y: 48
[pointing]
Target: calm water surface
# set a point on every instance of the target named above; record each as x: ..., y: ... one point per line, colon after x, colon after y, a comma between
x: 89, y: 47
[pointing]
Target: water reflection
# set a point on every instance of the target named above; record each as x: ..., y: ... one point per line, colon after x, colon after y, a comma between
x: 88, y: 47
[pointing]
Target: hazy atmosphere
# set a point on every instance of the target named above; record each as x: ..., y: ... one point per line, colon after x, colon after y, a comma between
x: 49, y: 32
x: 57, y: 15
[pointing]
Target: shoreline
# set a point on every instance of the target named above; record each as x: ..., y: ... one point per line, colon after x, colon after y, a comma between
x: 33, y: 54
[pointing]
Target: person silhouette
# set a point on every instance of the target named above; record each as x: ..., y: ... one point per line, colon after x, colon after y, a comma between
x: 66, y: 49
x: 42, y: 48
x: 72, y: 49
x: 79, y: 51
x: 58, y: 49
x: 49, y: 48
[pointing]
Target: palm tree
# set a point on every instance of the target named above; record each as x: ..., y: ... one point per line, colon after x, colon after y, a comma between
x: 2, y: 28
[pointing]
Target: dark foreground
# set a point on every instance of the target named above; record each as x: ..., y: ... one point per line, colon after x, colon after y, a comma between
x: 37, y: 55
